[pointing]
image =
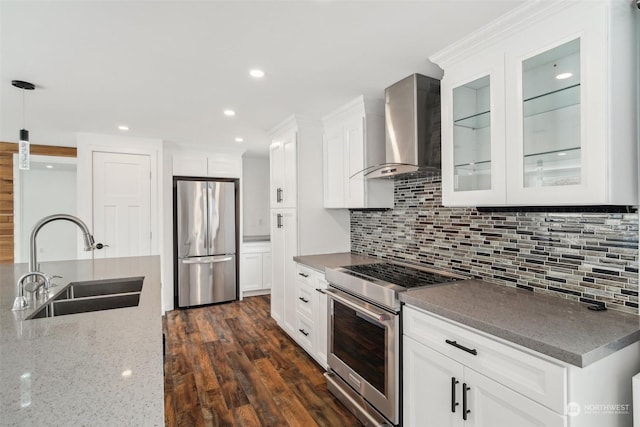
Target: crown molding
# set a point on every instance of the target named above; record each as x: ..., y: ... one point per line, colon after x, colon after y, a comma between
x: 496, y: 31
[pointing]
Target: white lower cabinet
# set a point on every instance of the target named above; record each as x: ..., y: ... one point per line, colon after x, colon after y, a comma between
x: 255, y: 268
x: 449, y: 367
x: 311, y: 313
x: 438, y: 390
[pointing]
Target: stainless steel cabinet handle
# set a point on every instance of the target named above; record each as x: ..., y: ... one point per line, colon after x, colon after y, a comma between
x: 304, y: 300
x: 305, y: 333
x: 303, y: 274
x: 321, y: 291
x: 279, y: 220
x: 279, y: 195
x: 206, y: 260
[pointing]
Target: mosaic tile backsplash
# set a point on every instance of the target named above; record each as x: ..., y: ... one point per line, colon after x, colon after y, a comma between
x: 591, y: 257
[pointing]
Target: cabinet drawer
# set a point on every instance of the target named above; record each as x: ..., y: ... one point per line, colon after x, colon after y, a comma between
x: 304, y: 333
x: 304, y: 299
x: 538, y: 379
x: 305, y: 275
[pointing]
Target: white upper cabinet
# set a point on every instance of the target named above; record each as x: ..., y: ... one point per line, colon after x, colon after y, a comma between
x: 353, y: 142
x: 283, y: 170
x: 541, y: 108
x: 473, y: 156
x: 216, y: 165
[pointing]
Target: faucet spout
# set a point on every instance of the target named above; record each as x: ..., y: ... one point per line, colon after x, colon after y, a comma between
x: 89, y: 242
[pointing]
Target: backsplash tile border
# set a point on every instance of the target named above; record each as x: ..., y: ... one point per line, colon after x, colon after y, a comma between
x: 590, y: 257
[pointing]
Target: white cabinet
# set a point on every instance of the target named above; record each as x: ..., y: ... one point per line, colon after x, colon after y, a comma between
x: 473, y: 134
x: 282, y: 155
x: 354, y: 141
x: 215, y: 165
x: 284, y: 246
x: 311, y: 312
x: 266, y: 270
x: 540, y: 108
x: 438, y: 390
x: 446, y: 364
x: 304, y: 228
x: 255, y: 268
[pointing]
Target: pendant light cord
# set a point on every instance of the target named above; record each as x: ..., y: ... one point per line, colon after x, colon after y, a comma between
x: 24, y: 109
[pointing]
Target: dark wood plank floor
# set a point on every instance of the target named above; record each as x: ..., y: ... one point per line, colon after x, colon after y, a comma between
x: 231, y: 365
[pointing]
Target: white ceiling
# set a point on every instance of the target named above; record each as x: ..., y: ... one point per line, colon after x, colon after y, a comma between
x: 168, y: 69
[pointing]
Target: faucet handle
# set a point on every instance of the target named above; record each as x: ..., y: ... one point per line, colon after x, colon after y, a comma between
x: 100, y: 246
x: 51, y: 284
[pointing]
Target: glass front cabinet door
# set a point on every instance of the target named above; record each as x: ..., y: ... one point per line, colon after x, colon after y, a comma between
x: 565, y: 125
x: 545, y: 114
x: 473, y: 131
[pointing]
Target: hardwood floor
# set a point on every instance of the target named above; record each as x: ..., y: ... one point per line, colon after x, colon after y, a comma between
x: 231, y: 365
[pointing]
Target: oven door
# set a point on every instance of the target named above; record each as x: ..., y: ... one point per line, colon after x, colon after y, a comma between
x: 364, y: 345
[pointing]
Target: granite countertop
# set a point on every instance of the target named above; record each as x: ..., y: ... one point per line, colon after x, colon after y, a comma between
x: 320, y: 262
x: 103, y: 368
x: 563, y: 329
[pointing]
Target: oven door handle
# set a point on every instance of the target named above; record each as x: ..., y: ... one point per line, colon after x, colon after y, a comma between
x: 377, y: 315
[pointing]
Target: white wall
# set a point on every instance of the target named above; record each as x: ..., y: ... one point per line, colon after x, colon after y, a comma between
x: 255, y: 196
x: 40, y: 192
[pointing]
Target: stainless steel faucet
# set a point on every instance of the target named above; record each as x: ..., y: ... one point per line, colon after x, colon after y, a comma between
x: 89, y: 243
x: 38, y: 279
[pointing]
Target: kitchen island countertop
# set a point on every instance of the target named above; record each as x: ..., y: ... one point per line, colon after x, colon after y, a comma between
x: 102, y: 368
x: 565, y: 330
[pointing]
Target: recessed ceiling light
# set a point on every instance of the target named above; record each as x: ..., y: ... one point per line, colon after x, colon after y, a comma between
x: 49, y: 167
x: 229, y: 113
x: 239, y: 139
x: 127, y: 373
x: 123, y: 127
x: 256, y: 73
x: 563, y: 76
x: 562, y: 153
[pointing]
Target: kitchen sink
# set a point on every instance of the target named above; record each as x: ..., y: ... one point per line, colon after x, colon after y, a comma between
x: 94, y: 288
x: 95, y: 295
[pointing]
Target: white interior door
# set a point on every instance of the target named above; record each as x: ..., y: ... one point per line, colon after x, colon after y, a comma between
x: 122, y: 204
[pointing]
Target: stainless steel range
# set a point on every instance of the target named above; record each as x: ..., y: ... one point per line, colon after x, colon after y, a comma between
x: 364, y: 335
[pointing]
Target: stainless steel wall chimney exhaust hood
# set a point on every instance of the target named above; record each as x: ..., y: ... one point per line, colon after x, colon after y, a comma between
x: 412, y: 127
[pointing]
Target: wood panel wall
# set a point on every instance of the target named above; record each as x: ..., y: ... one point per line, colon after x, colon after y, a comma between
x: 6, y: 189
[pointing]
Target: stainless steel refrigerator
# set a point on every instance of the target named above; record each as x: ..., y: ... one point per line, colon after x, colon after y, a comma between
x: 205, y: 241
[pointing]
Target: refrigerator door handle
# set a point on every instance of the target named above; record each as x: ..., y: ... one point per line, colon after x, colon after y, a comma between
x: 205, y: 196
x: 207, y: 260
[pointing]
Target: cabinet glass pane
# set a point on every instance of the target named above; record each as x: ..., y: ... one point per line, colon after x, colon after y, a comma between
x: 472, y: 136
x: 551, y: 117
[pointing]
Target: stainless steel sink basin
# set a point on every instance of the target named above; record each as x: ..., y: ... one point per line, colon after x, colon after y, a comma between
x: 95, y: 295
x: 102, y: 287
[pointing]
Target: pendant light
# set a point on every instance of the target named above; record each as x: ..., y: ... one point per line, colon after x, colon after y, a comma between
x: 23, y: 145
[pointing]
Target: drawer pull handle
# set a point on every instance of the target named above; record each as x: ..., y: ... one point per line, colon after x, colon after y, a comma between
x: 461, y: 347
x: 321, y: 291
x: 465, y: 411
x: 303, y: 332
x: 303, y: 274
x: 453, y: 394
x: 304, y: 300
